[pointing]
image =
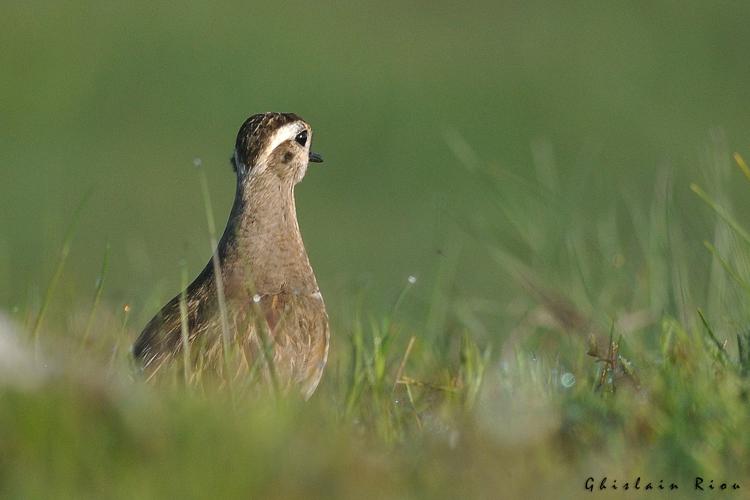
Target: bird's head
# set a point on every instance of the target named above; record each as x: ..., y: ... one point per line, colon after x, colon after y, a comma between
x: 274, y: 145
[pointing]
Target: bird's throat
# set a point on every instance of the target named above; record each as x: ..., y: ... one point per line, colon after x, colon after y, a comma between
x: 262, y: 249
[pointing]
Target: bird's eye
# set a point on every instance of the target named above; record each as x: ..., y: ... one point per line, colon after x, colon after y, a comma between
x: 301, y: 138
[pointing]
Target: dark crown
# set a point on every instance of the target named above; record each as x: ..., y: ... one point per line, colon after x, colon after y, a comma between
x: 254, y: 134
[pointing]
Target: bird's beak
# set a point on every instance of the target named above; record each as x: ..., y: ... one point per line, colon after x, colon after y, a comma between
x: 315, y: 157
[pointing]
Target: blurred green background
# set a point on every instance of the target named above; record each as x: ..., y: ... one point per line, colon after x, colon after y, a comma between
x: 529, y: 162
x: 120, y: 97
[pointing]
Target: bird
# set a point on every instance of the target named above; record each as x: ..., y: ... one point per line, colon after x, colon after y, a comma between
x: 265, y: 298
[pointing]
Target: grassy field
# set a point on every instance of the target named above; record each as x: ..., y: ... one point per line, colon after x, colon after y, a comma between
x: 560, y: 180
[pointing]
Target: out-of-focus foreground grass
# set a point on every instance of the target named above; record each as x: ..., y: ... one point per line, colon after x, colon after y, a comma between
x: 652, y: 389
x: 578, y: 311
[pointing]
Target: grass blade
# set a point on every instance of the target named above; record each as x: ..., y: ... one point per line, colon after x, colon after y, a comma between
x: 727, y: 268
x: 719, y: 345
x: 64, y: 252
x: 97, y: 293
x: 217, y: 267
x: 743, y: 166
x: 184, y: 327
x: 721, y: 212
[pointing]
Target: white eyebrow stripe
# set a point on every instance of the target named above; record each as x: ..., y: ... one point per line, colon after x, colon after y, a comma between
x: 288, y: 131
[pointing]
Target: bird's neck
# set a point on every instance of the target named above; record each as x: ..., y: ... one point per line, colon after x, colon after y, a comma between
x: 262, y: 250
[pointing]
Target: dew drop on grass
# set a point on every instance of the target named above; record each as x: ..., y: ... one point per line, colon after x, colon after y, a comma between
x: 568, y: 380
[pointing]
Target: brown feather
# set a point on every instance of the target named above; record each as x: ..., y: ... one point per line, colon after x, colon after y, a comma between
x: 267, y: 277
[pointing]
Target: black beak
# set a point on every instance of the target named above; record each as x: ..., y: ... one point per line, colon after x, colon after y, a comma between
x: 315, y: 157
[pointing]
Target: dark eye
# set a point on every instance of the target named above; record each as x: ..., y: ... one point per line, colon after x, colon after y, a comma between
x: 301, y: 138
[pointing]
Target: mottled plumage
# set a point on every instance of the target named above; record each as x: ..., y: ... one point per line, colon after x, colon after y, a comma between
x: 270, y: 289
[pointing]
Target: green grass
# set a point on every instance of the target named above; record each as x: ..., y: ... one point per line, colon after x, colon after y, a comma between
x: 654, y: 389
x: 558, y: 178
